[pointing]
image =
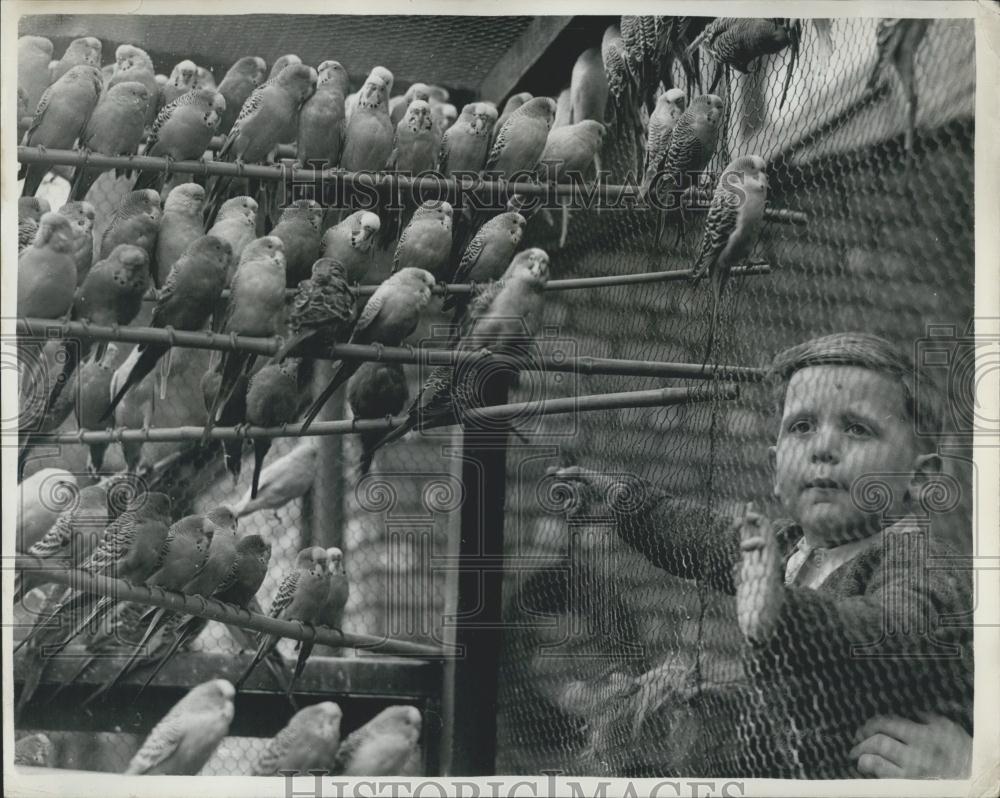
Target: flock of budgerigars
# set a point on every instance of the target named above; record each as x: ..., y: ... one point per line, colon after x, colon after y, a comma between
x: 185, y: 243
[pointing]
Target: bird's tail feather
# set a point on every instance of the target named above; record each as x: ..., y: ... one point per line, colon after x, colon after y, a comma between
x: 143, y: 366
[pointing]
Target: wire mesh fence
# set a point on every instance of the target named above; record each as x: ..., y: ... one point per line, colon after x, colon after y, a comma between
x: 610, y: 665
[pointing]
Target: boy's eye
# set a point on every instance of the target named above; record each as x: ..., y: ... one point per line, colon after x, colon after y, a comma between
x: 800, y: 427
x: 858, y: 430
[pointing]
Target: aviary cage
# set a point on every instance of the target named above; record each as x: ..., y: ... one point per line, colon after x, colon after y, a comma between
x: 457, y: 541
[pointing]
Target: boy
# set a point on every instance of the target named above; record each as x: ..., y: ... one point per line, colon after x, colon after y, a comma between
x: 841, y: 604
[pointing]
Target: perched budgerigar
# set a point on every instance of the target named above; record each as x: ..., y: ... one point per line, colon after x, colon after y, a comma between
x: 180, y: 224
x: 33, y: 77
x: 255, y: 308
x: 134, y: 64
x: 377, y: 390
x: 691, y: 146
x: 389, y: 317
x: 110, y: 295
x: 369, y: 133
x: 253, y: 554
x: 299, y: 598
x: 181, y: 131
x: 185, y: 302
x: 330, y: 613
x: 236, y: 87
x: 29, y: 211
x: 307, y: 744
x: 236, y: 224
x: 135, y: 221
x: 487, y: 256
x: 82, y: 216
x: 669, y: 107
x: 415, y: 148
x: 323, y: 308
x: 503, y: 319
x: 514, y: 102
x: 272, y: 400
x: 351, y: 102
x: 444, y: 115
x: 93, y: 387
x: 425, y: 243
x: 46, y: 270
x: 732, y: 227
x: 198, y: 558
x: 399, y: 105
x: 73, y: 537
x: 280, y: 63
x: 60, y: 118
x: 623, y: 86
x: 299, y: 231
x: 183, y: 78
x: 38, y: 506
x: 521, y: 141
x: 37, y: 750
x: 351, y: 242
x: 466, y: 144
x: 382, y: 746
x: 85, y: 51
x: 269, y: 117
x: 588, y: 88
x: 570, y: 152
x: 736, y: 41
x: 188, y: 735
x: 321, y: 122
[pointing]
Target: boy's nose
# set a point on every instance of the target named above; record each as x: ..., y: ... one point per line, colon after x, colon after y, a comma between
x: 825, y: 446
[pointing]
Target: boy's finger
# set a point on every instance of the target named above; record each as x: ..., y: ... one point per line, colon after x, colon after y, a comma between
x: 892, y: 725
x: 882, y: 745
x: 874, y: 765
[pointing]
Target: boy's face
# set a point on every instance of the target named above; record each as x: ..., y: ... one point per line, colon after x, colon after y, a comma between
x: 839, y: 424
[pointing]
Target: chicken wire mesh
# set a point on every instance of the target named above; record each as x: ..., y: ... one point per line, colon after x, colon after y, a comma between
x: 609, y: 665
x: 623, y: 669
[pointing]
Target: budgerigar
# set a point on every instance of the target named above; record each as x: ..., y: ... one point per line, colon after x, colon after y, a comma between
x: 732, y: 227
x: 382, y: 746
x: 60, y: 118
x: 180, y: 224
x: 115, y: 128
x: 188, y: 735
x: 307, y: 744
x: 185, y: 302
x: 352, y: 242
x: 321, y: 122
x: 391, y: 314
x: 255, y: 308
x: 236, y: 87
x: 181, y: 131
x: 466, y: 144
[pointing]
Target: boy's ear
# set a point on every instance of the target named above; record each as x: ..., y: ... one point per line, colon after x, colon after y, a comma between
x: 925, y: 468
x: 772, y: 458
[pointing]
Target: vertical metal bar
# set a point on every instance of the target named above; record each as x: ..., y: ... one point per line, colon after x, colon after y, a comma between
x: 469, y: 700
x: 326, y: 505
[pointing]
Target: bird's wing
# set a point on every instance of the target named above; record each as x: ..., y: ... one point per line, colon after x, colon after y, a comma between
x: 498, y: 144
x: 399, y: 250
x: 277, y: 747
x: 161, y: 743
x: 371, y: 311
x: 56, y: 538
x: 348, y: 748
x: 43, y: 103
x: 719, y: 224
x: 285, y: 594
x: 249, y: 109
x: 470, y: 256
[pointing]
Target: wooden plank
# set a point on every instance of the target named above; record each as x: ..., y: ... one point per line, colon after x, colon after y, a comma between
x: 522, y: 55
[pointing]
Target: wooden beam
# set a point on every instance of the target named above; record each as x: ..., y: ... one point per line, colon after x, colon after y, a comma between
x: 522, y: 55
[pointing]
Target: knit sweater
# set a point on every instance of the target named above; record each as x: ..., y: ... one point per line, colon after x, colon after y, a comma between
x: 887, y: 632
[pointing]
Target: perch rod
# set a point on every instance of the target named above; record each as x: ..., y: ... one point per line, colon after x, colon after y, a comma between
x: 216, y: 610
x: 658, y: 397
x: 53, y: 328
x: 367, y: 180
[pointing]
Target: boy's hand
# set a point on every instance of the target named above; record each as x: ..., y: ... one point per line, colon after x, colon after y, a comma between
x: 578, y: 488
x: 891, y: 747
x: 760, y: 591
